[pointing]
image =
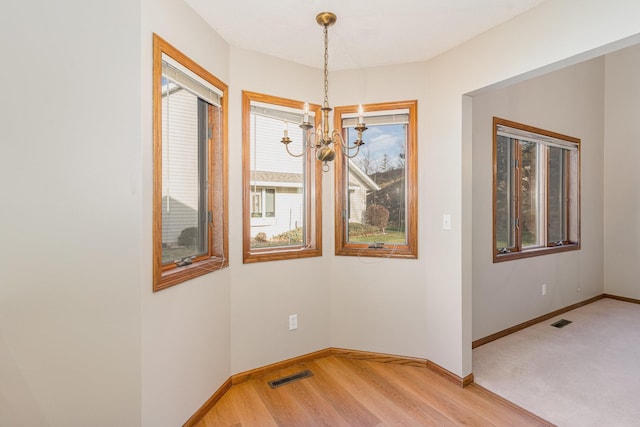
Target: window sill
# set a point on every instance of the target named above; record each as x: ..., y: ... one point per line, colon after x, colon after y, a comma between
x: 173, y: 276
x: 387, y: 251
x: 280, y: 253
x: 500, y: 257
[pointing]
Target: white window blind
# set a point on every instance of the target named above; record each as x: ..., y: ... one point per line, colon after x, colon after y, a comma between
x: 390, y: 117
x: 537, y: 138
x: 194, y: 84
x: 289, y: 115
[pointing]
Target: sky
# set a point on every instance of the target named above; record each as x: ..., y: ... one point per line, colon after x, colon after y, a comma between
x: 378, y: 141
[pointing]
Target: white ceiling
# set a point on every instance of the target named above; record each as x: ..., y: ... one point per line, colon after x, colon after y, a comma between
x: 367, y: 32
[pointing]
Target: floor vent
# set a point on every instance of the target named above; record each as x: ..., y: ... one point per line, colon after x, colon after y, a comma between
x: 290, y: 378
x: 561, y: 323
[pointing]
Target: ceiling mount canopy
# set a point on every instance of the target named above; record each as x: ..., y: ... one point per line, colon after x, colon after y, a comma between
x: 326, y: 19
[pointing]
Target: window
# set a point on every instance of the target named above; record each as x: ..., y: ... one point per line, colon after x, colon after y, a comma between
x: 189, y: 144
x: 282, y: 192
x: 376, y: 191
x: 536, y: 182
x: 258, y: 194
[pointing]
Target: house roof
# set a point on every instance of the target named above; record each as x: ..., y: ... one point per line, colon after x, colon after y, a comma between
x: 356, y: 172
x: 287, y: 179
x: 268, y: 177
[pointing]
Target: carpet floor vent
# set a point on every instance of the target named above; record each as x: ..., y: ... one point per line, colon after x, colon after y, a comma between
x: 561, y: 323
x: 290, y: 378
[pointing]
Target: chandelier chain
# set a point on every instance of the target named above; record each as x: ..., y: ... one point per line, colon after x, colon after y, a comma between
x: 326, y: 69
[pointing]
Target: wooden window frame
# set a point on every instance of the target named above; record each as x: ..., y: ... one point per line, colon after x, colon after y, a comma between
x: 312, y: 183
x: 342, y: 245
x: 546, y: 247
x: 167, y: 275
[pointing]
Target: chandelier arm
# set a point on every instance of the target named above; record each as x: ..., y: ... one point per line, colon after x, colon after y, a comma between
x: 286, y: 146
x: 312, y: 141
x: 338, y: 139
x: 351, y: 156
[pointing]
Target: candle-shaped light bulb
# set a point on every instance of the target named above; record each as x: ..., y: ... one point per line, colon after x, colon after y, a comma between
x: 306, y: 112
x: 360, y: 114
x: 286, y: 129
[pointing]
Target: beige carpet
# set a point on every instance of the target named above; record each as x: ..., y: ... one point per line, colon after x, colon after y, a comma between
x: 585, y: 374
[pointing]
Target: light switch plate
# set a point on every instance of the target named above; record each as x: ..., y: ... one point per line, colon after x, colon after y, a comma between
x: 446, y: 221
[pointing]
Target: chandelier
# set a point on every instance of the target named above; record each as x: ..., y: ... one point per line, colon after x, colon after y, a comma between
x: 323, y: 140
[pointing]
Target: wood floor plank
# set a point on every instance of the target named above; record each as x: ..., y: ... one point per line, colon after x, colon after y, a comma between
x: 351, y: 392
x: 381, y: 378
x: 239, y: 406
x: 464, y: 406
x: 427, y: 389
x: 334, y: 393
x: 285, y: 407
x: 378, y: 395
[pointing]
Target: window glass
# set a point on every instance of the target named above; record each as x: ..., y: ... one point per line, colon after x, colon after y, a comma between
x: 505, y: 197
x: 184, y: 177
x: 557, y: 194
x: 376, y: 187
x: 536, y: 191
x: 529, y: 193
x: 283, y: 183
x: 190, y: 212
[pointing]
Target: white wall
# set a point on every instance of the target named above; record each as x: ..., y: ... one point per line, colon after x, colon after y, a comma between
x: 380, y: 304
x: 550, y: 36
x: 622, y: 197
x: 553, y: 35
x: 71, y: 217
x: 263, y: 295
x: 569, y: 101
x: 186, y: 341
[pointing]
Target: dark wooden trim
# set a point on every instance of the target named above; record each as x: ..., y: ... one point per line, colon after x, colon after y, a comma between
x: 379, y: 357
x: 403, y: 360
x: 512, y: 405
x: 468, y: 380
x: 355, y: 354
x: 625, y: 299
x: 448, y: 375
x: 247, y: 375
x: 521, y: 326
x: 204, y: 409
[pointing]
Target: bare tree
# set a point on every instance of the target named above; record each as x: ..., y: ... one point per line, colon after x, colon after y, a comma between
x: 365, y: 161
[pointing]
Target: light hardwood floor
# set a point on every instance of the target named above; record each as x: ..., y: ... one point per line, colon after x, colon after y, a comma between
x: 351, y: 392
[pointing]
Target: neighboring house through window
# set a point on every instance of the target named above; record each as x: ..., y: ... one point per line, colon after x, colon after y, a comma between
x: 360, y: 186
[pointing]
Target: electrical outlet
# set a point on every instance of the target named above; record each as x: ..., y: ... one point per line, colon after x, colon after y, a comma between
x: 544, y: 289
x: 293, y: 322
